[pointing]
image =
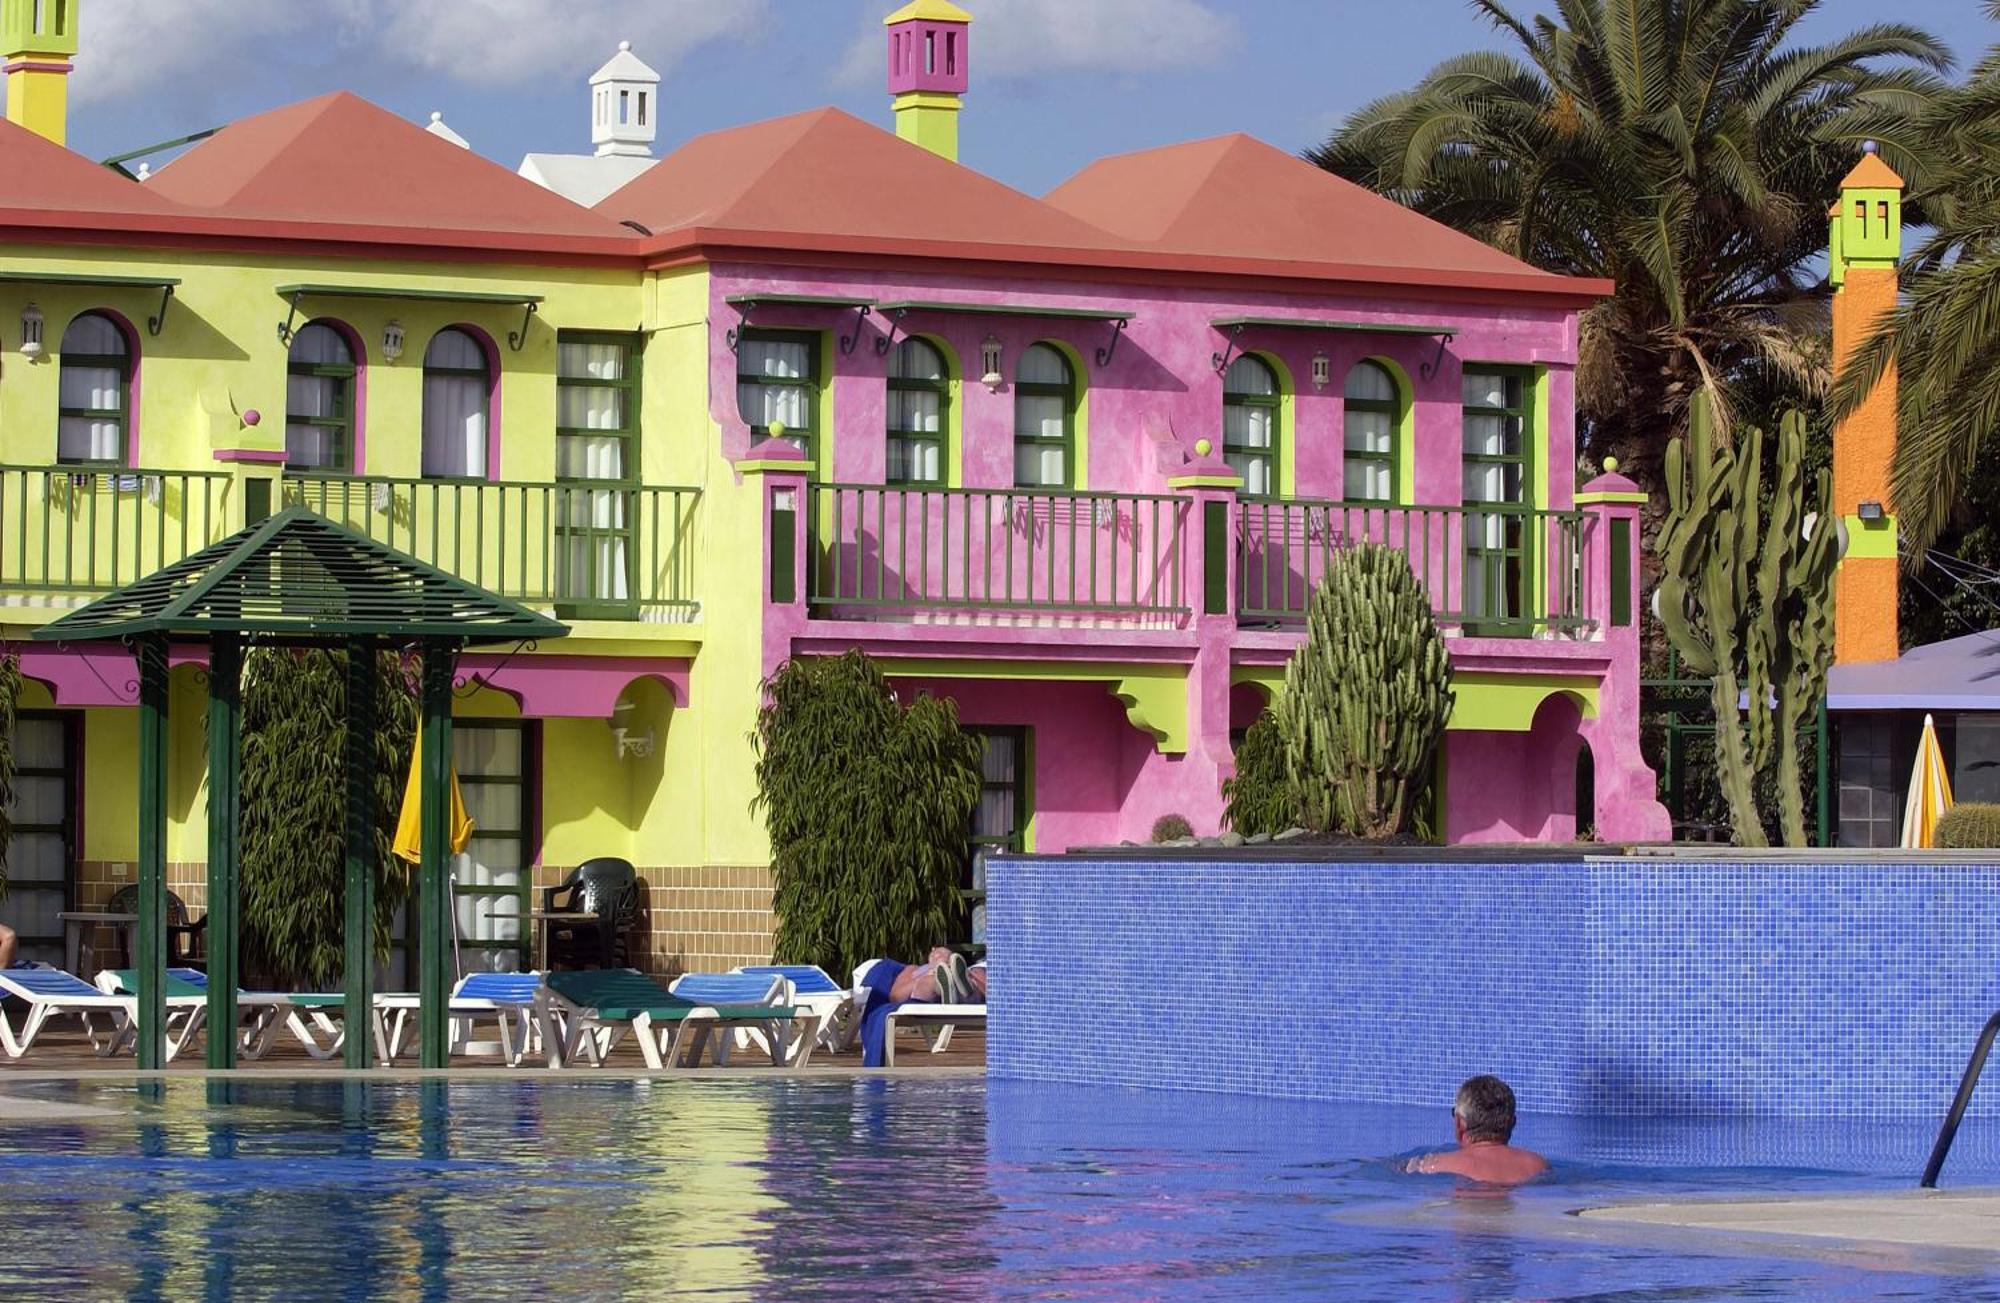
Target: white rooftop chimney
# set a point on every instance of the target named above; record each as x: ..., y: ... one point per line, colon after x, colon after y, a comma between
x: 624, y: 106
x: 442, y: 132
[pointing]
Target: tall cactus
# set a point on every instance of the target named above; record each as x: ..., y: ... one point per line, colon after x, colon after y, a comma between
x: 1746, y: 597
x: 1366, y: 697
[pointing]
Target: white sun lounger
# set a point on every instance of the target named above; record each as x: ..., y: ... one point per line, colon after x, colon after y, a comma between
x: 936, y: 1021
x: 308, y: 1017
x: 506, y: 998
x: 52, y: 993
x: 814, y: 989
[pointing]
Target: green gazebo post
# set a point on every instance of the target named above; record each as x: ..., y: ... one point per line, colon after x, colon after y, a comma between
x: 296, y: 579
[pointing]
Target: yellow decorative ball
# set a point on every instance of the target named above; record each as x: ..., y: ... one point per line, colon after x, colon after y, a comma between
x: 777, y: 429
x: 1203, y: 447
x: 1610, y: 465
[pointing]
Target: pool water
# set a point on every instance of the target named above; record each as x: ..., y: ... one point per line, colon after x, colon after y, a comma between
x: 938, y: 1188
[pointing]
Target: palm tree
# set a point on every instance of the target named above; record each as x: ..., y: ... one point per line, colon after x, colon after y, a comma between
x: 1944, y: 337
x: 1679, y: 147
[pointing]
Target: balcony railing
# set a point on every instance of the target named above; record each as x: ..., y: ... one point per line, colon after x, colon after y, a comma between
x: 611, y: 551
x: 77, y: 530
x: 1498, y: 570
x: 889, y: 552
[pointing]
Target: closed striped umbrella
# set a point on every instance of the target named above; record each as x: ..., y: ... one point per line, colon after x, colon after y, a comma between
x: 1930, y: 793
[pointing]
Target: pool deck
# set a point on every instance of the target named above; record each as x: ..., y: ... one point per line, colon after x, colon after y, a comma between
x: 1957, y: 1220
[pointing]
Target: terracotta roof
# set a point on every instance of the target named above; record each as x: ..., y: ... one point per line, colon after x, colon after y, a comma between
x: 43, y: 178
x: 340, y: 161
x: 1871, y: 173
x: 826, y: 174
x: 1235, y: 196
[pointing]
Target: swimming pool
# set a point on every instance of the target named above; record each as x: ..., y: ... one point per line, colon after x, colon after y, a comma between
x: 824, y: 1188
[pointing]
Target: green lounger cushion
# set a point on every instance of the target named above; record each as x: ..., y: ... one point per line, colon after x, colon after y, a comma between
x: 622, y: 994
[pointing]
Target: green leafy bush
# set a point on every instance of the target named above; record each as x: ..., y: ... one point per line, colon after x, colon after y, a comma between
x: 868, y: 803
x: 1366, y: 697
x: 1975, y: 825
x: 1171, y: 828
x: 294, y: 820
x: 10, y: 695
x: 1259, y: 797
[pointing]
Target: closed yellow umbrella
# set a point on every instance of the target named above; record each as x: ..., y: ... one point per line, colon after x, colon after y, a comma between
x: 1930, y: 793
x: 410, y: 824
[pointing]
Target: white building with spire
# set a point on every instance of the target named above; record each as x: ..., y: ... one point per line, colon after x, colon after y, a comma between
x: 624, y: 122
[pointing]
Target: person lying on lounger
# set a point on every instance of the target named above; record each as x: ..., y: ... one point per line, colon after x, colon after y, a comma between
x: 7, y: 944
x: 945, y: 978
x: 1483, y: 1117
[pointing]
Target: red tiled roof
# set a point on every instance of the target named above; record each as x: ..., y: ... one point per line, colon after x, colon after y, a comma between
x: 1235, y: 196
x: 340, y: 161
x: 826, y: 173
x: 44, y: 178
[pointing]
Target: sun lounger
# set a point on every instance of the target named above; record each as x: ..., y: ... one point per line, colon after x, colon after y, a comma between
x: 52, y: 993
x: 937, y: 1021
x: 314, y: 1018
x: 509, y: 999
x: 741, y: 988
x: 814, y: 989
x: 589, y: 1012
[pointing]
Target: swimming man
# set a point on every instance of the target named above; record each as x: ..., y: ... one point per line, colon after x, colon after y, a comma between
x: 1483, y: 1116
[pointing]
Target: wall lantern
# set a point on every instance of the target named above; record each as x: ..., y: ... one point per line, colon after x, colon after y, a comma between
x: 392, y: 340
x: 989, y: 363
x: 1322, y: 370
x: 1869, y: 510
x: 31, y: 332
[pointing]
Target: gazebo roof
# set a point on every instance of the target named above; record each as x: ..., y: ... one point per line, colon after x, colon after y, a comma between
x: 300, y: 577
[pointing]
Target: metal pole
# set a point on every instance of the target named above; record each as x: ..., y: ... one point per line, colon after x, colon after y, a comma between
x: 1825, y: 777
x: 225, y: 795
x: 360, y: 868
x: 1949, y: 1131
x: 433, y: 895
x: 152, y: 1007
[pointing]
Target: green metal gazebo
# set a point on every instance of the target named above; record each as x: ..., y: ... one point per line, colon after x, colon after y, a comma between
x: 296, y: 579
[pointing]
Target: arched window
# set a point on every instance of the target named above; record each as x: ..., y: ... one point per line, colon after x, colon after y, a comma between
x: 1373, y: 406
x: 919, y: 393
x: 95, y: 390
x: 1250, y: 424
x: 1044, y: 420
x: 319, y: 401
x: 458, y: 393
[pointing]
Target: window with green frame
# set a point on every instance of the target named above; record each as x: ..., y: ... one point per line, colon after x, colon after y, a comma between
x: 494, y: 760
x: 919, y: 407
x: 1250, y: 408
x: 1000, y: 820
x: 1499, y: 441
x: 94, y: 425
x: 777, y: 380
x: 597, y: 452
x: 319, y: 401
x: 1373, y: 408
x: 1044, y: 420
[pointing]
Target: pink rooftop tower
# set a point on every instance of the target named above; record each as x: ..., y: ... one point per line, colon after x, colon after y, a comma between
x: 928, y: 72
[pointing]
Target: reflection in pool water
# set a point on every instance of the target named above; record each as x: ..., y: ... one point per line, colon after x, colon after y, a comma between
x: 838, y: 1189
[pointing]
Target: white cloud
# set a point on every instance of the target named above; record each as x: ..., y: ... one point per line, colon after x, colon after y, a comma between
x: 1026, y: 38
x: 134, y: 46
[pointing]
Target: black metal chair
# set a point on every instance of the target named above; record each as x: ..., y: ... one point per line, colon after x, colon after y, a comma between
x: 184, y: 939
x: 607, y: 888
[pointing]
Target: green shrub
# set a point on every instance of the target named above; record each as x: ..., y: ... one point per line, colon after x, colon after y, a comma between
x: 868, y: 804
x: 294, y: 820
x: 1171, y: 828
x: 1259, y: 797
x: 1366, y: 697
x: 1972, y: 826
x: 10, y: 695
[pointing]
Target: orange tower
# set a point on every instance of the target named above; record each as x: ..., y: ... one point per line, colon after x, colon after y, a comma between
x: 1865, y: 243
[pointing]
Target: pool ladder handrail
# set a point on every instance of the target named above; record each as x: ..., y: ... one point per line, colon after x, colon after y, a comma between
x: 1949, y: 1131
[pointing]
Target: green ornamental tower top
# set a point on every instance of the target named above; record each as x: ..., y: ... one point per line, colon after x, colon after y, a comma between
x: 38, y: 28
x: 1866, y: 222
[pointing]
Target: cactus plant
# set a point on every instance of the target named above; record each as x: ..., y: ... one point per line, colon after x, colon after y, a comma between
x: 1259, y: 794
x: 1975, y: 825
x: 1367, y: 696
x: 1746, y: 597
x: 1171, y: 828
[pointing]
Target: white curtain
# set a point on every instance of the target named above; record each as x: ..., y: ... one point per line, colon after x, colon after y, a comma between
x: 1369, y: 434
x: 91, y: 386
x: 457, y: 391
x: 493, y: 857
x: 758, y: 360
x: 1041, y: 417
x: 37, y: 866
x: 593, y: 556
x: 915, y: 412
x: 312, y: 446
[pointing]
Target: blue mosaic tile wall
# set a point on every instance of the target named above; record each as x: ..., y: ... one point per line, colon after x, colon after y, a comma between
x: 1621, y: 987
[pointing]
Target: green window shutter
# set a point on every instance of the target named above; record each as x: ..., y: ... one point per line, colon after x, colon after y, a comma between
x: 1621, y: 572
x: 1215, y: 558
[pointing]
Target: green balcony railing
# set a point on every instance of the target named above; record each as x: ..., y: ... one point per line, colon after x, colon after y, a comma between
x: 591, y: 551
x: 892, y: 551
x: 77, y: 530
x: 1499, y: 570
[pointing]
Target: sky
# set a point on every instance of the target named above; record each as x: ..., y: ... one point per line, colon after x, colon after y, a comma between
x: 1055, y: 83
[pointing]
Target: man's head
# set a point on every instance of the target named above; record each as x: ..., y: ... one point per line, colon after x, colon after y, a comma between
x: 1484, y: 1110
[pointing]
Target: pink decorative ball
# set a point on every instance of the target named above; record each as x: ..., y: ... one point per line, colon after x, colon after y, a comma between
x: 251, y: 416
